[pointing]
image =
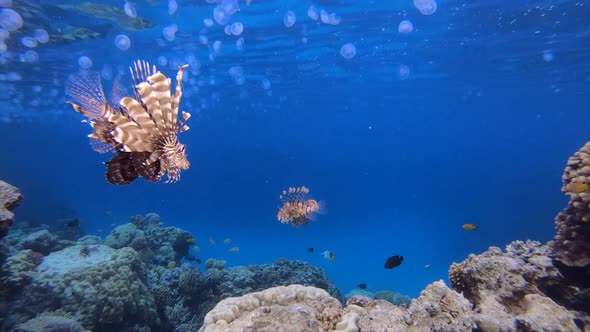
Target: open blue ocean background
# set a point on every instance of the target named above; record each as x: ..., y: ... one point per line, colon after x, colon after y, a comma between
x: 469, y: 118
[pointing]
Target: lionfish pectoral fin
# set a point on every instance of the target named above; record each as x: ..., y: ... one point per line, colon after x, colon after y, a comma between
x: 150, y: 172
x: 120, y: 169
x: 300, y: 221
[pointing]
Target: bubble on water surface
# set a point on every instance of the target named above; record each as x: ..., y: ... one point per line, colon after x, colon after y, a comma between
x: 122, y: 42
x: 162, y: 61
x: 548, y: 55
x: 208, y: 22
x: 237, y: 28
x: 240, y: 44
x: 29, y: 42
x: 403, y: 72
x: 405, y: 27
x: 129, y: 9
x: 10, y: 20
x: 41, y: 36
x: 313, y: 13
x: 289, y: 18
x: 348, y: 51
x: 426, y: 7
x: 31, y: 56
x: 170, y: 32
x: 84, y: 62
x: 172, y: 7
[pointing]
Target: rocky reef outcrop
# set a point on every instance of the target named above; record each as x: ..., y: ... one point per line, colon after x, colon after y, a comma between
x: 187, y: 294
x: 519, y: 289
x: 10, y: 197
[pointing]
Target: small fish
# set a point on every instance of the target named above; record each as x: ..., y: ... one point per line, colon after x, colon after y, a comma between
x: 227, y: 241
x: 107, y: 213
x: 393, y: 261
x: 196, y: 248
x: 198, y: 261
x: 190, y: 258
x: 578, y: 187
x: 310, y: 249
x: 211, y: 241
x: 469, y: 227
x: 330, y: 255
x: 427, y: 266
x: 234, y: 249
x: 295, y: 209
x: 362, y: 285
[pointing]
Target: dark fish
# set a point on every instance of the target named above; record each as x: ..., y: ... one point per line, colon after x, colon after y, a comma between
x: 362, y: 285
x: 310, y: 249
x: 190, y: 258
x: 393, y: 261
x: 198, y: 260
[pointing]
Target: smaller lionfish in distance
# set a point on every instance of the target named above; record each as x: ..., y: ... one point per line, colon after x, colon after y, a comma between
x: 295, y: 209
x: 142, y: 130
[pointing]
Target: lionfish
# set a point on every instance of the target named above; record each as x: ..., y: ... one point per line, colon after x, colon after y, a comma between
x: 142, y: 130
x: 295, y: 210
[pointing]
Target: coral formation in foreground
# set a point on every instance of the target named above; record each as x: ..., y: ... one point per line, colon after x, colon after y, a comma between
x: 10, y: 197
x: 572, y: 240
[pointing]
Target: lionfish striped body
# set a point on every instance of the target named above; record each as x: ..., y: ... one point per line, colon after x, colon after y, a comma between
x: 142, y: 130
x: 295, y: 210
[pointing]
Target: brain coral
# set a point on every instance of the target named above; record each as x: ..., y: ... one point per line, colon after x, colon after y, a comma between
x: 293, y: 307
x: 97, y: 284
x: 572, y: 240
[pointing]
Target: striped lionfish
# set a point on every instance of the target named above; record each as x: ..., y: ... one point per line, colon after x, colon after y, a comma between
x: 142, y: 130
x: 295, y: 210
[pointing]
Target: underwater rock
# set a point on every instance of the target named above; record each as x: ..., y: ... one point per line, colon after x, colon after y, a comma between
x: 53, y: 321
x: 43, y: 242
x: 199, y: 292
x: 122, y: 236
x: 97, y: 284
x: 10, y: 198
x: 498, y: 283
x: 69, y: 229
x: 19, y: 269
x: 439, y: 308
x: 572, y: 240
x: 294, y: 307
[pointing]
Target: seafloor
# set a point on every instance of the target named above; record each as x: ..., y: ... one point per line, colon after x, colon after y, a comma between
x: 132, y: 280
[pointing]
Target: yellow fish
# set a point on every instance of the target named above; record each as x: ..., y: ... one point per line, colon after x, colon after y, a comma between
x: 211, y: 241
x: 227, y: 241
x: 234, y: 249
x: 469, y: 227
x: 578, y: 187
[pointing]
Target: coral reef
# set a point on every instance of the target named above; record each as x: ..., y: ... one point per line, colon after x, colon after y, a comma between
x: 155, y: 243
x: 99, y: 285
x: 294, y: 307
x: 185, y: 289
x: 52, y: 321
x: 572, y: 240
x: 10, y: 197
x: 501, y: 286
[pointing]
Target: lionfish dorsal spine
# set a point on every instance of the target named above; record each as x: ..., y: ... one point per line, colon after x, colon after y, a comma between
x: 175, y: 102
x: 128, y: 133
x: 140, y: 73
x: 161, y: 85
x: 138, y: 113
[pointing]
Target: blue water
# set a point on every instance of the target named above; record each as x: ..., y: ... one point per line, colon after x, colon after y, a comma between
x: 496, y: 100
